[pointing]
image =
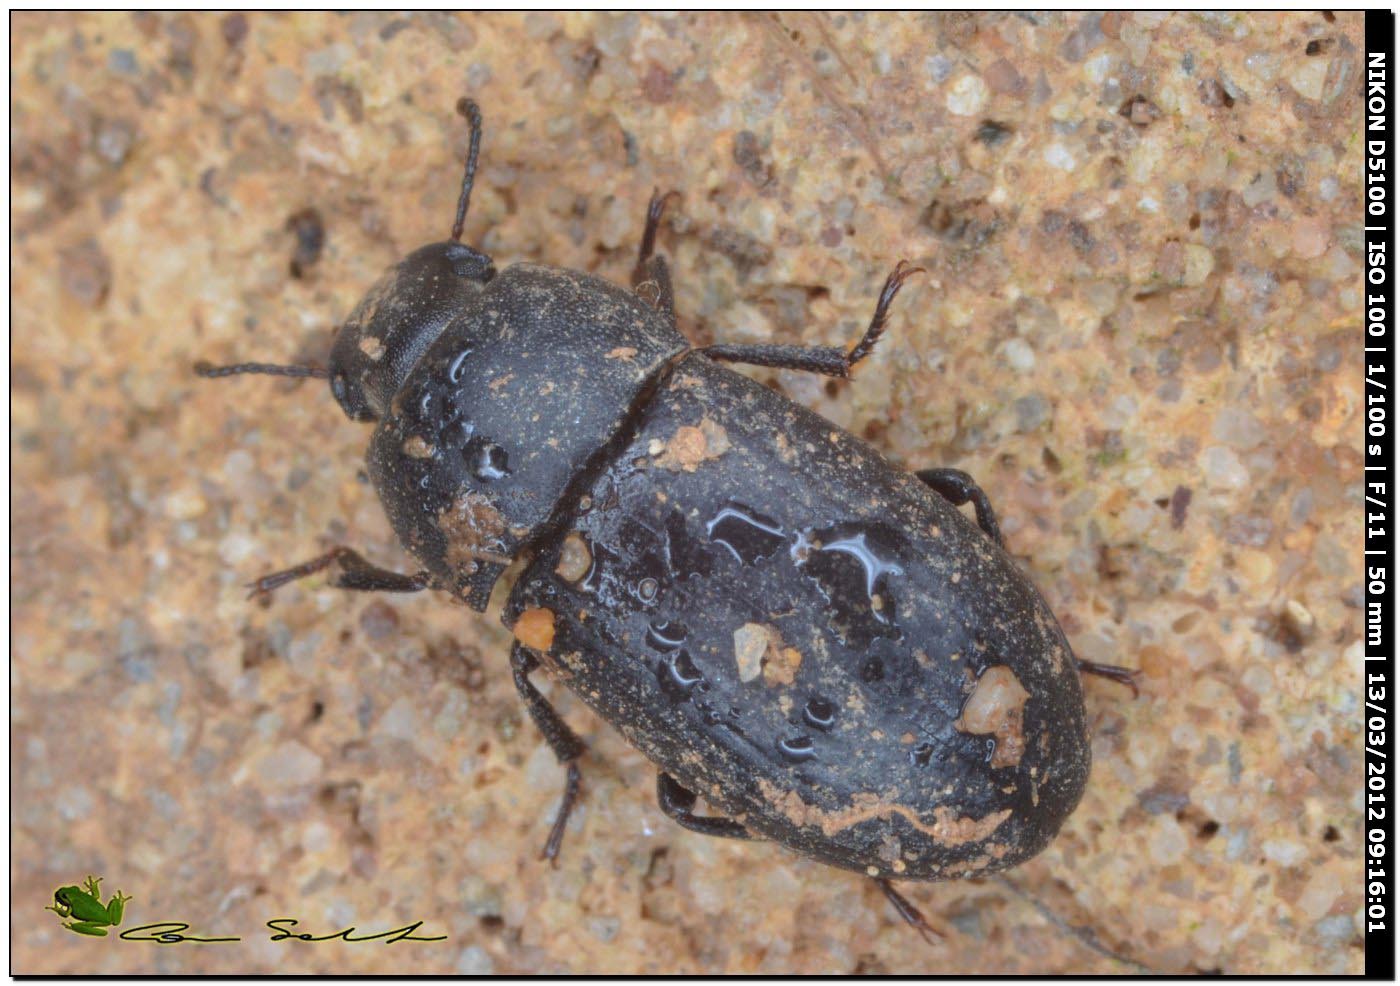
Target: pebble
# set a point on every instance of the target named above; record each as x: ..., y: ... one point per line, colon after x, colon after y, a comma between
x: 1238, y: 428
x: 1031, y: 412
x: 1223, y: 469
x: 114, y: 140
x: 400, y: 720
x: 282, y: 85
x: 1262, y: 65
x: 122, y: 61
x: 1308, y: 78
x: 1338, y: 928
x: 289, y: 765
x: 1097, y: 68
x: 1057, y: 155
x: 1120, y: 412
x: 237, y: 548
x: 1001, y: 76
x: 1311, y: 237
x: 1322, y: 890
x: 1199, y: 262
x: 74, y: 803
x: 1019, y: 354
x: 1262, y: 189
x: 475, y: 961
x: 1208, y: 937
x: 1167, y: 843
x: 316, y: 837
x: 185, y: 504
x: 968, y: 96
x: 328, y: 60
x: 1283, y: 851
x: 938, y: 67
x: 1257, y: 679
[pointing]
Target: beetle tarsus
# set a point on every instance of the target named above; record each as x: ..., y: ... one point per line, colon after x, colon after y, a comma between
x: 677, y: 802
x: 911, y: 914
x: 1113, y: 672
x: 902, y: 272
x: 355, y: 574
x: 831, y: 361
x: 958, y: 488
x: 562, y: 740
x: 655, y: 208
x: 550, y: 851
x: 651, y: 277
x: 265, y: 585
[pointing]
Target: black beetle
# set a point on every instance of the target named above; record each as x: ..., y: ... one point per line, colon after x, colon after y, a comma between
x: 815, y: 640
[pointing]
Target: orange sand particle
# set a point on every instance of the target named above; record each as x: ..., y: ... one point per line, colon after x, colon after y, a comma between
x: 996, y: 707
x: 535, y: 629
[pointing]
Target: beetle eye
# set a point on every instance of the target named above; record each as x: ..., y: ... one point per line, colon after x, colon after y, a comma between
x: 471, y: 264
x: 338, y: 387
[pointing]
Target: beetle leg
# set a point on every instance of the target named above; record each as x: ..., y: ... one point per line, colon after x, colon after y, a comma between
x: 1113, y: 672
x: 651, y: 277
x: 957, y: 487
x: 655, y: 208
x: 909, y: 912
x: 561, y: 739
x: 831, y: 361
x: 353, y: 573
x: 652, y: 283
x: 677, y: 802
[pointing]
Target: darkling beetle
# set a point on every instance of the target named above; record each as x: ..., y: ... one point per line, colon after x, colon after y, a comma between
x: 816, y: 641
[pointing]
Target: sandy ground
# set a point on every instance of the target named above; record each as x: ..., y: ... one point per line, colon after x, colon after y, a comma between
x: 1140, y: 331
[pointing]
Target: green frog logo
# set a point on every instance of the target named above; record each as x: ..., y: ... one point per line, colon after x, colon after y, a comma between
x: 84, y: 905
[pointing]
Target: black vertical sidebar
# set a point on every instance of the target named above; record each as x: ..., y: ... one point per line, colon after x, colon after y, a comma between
x: 1379, y: 686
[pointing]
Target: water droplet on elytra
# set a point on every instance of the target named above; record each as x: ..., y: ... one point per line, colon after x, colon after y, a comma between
x: 797, y: 749
x: 678, y: 675
x: 458, y: 365
x: 852, y: 565
x: 876, y: 568
x: 820, y: 713
x: 646, y: 590
x: 666, y: 634
x: 749, y: 536
x: 685, y: 557
x: 486, y: 459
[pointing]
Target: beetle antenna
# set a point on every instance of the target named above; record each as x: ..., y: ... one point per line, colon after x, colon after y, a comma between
x: 211, y: 371
x: 472, y: 112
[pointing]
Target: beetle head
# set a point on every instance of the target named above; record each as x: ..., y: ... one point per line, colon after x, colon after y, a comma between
x: 377, y: 347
